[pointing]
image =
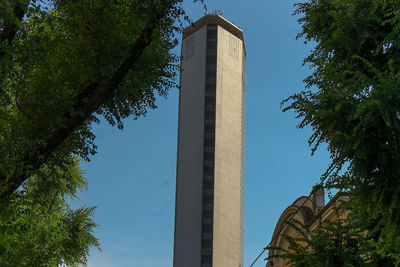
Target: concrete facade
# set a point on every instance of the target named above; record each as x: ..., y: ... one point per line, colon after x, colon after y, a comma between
x: 188, y: 206
x: 210, y: 167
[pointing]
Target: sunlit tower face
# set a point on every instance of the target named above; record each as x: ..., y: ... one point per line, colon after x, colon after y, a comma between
x: 210, y: 169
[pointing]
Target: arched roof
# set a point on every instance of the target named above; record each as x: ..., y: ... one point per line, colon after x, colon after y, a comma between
x: 305, y: 215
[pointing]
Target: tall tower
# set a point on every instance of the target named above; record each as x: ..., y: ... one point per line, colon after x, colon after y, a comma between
x: 210, y: 169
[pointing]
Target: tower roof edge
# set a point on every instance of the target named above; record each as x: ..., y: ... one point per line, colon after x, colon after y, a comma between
x: 214, y: 19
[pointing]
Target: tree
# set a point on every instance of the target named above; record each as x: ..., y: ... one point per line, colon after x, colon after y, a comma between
x: 63, y: 67
x: 38, y: 228
x: 352, y: 103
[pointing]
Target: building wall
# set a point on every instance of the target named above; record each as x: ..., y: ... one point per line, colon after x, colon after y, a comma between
x: 228, y: 186
x: 301, y: 216
x: 210, y: 172
x: 310, y: 216
x: 188, y: 209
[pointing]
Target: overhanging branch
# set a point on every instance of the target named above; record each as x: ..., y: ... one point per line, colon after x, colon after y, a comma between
x: 92, y: 97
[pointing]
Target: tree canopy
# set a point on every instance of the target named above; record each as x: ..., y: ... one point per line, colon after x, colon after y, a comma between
x: 65, y: 64
x: 39, y: 228
x: 352, y: 102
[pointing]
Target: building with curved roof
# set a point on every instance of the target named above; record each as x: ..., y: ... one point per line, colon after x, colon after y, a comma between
x: 311, y: 212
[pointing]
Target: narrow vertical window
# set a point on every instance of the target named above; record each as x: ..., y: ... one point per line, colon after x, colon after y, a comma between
x: 190, y: 45
x: 209, y: 147
x: 234, y: 47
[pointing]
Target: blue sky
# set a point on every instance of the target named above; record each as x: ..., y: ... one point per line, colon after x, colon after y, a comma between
x: 132, y: 177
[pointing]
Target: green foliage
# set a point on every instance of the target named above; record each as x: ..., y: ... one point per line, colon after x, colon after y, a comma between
x: 335, y: 244
x: 38, y: 228
x: 57, y: 53
x: 65, y: 64
x: 353, y: 104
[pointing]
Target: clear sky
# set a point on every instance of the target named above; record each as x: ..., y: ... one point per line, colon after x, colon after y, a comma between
x: 132, y: 177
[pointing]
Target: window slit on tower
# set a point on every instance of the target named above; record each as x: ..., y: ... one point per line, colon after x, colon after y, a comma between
x: 209, y: 147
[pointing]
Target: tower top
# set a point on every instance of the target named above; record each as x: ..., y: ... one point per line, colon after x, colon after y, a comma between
x: 214, y: 19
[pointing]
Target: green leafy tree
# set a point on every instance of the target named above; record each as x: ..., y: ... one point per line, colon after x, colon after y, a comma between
x: 352, y: 103
x: 38, y: 228
x: 63, y: 67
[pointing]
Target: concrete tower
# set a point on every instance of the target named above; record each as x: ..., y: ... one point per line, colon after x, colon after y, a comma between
x: 210, y: 169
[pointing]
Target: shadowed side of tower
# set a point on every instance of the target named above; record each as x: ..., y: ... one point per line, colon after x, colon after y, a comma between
x: 210, y: 165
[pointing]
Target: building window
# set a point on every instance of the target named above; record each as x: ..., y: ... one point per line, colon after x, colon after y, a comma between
x: 209, y: 147
x: 190, y: 44
x: 234, y: 47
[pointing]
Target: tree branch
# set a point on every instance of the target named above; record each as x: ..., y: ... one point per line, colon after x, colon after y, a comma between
x: 90, y: 100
